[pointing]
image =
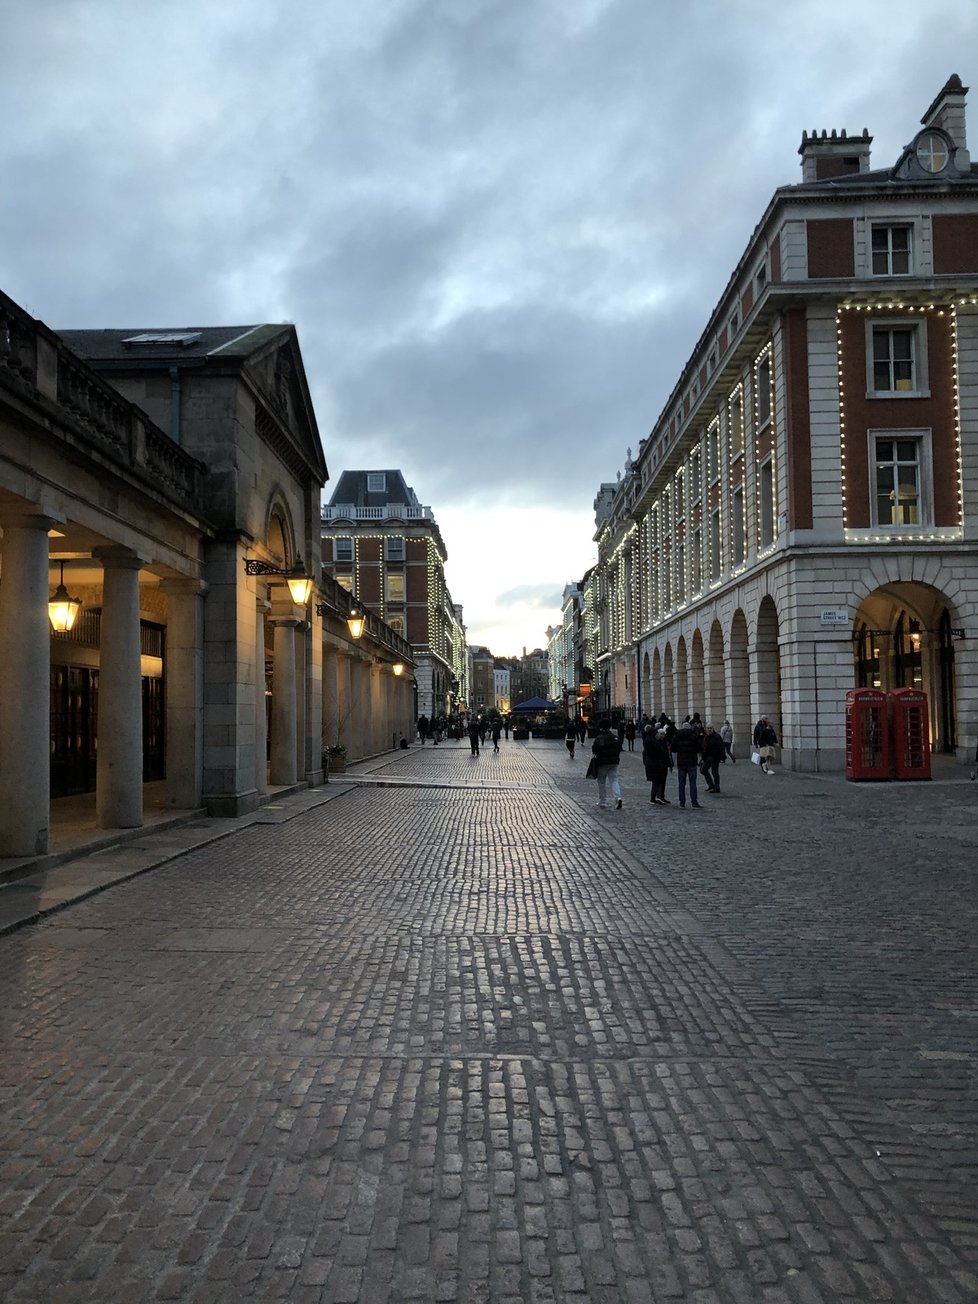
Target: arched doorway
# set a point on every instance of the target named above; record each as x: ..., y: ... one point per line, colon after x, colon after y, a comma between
x: 903, y: 637
x: 767, y: 665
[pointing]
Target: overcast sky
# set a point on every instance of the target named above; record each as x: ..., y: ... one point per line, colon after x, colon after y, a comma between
x: 499, y: 226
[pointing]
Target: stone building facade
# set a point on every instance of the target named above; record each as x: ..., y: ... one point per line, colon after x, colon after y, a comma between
x: 802, y: 519
x: 168, y: 480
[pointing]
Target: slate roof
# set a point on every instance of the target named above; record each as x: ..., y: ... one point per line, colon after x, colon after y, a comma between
x: 351, y: 490
x: 168, y: 343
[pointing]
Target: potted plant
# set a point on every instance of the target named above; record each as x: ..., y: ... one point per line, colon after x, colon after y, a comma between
x: 334, y: 759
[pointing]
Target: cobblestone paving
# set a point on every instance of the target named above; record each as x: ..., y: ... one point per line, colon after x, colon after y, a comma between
x: 459, y: 1036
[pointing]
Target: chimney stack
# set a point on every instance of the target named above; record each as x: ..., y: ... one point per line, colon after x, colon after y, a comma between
x: 825, y: 156
x: 947, y: 114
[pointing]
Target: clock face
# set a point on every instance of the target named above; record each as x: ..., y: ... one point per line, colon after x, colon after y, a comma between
x: 932, y: 152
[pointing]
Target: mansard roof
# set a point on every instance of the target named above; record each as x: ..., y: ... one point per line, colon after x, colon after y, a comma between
x: 351, y: 490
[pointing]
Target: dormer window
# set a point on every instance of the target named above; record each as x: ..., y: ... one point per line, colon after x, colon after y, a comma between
x: 932, y: 151
x: 376, y: 482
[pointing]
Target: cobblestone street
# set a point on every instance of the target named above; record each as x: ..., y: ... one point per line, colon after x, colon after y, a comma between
x: 458, y: 1035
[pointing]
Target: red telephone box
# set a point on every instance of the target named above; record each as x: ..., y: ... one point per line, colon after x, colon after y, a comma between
x: 910, y: 729
x: 867, y: 735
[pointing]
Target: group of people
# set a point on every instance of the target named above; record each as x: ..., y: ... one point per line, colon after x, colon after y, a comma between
x: 691, y: 748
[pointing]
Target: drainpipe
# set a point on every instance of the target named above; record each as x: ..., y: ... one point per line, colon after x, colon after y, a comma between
x: 175, y: 404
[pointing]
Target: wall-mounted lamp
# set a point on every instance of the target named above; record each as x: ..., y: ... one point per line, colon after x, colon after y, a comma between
x: 398, y: 668
x: 62, y: 608
x: 300, y: 584
x: 355, y: 617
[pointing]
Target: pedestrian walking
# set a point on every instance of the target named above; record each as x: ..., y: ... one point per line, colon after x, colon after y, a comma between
x: 726, y: 733
x: 606, y: 753
x: 657, y: 759
x: 686, y: 750
x: 630, y: 734
x: 621, y: 733
x: 570, y: 737
x: 765, y: 741
x: 495, y: 732
x: 437, y: 731
x: 714, y: 754
x: 506, y: 728
x: 474, y: 736
x: 423, y: 725
x: 581, y: 730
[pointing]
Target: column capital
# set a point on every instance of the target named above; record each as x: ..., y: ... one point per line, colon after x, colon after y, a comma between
x: 116, y: 557
x: 28, y: 518
x: 284, y: 622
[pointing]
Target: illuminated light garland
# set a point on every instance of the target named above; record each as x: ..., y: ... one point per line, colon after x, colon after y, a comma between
x: 762, y: 550
x: 956, y: 385
x: 924, y: 309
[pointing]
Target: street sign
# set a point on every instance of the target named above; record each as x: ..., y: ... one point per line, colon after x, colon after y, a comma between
x: 833, y: 617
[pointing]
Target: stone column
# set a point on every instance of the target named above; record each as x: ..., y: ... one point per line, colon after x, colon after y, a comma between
x: 262, y: 606
x: 25, y: 654
x: 344, y: 701
x: 119, y: 770
x: 185, y: 692
x: 331, y: 721
x: 284, y: 769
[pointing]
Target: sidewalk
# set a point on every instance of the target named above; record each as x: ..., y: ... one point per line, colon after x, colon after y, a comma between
x: 445, y: 1031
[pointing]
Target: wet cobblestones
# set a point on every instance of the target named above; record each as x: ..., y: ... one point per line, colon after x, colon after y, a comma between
x: 467, y: 1043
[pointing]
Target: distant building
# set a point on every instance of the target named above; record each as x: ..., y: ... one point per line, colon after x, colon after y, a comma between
x: 802, y: 519
x: 381, y: 544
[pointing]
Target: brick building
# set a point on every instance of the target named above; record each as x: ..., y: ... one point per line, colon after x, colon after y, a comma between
x: 802, y: 518
x: 381, y: 544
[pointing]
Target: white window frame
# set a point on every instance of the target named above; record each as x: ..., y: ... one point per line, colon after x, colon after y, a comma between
x: 695, y: 477
x: 337, y: 556
x: 889, y: 228
x: 715, y: 545
x: 738, y: 525
x: 767, y: 492
x: 376, y: 482
x: 735, y: 409
x: 762, y: 389
x: 394, y: 547
x: 921, y: 436
x: 917, y: 326
x: 395, y: 579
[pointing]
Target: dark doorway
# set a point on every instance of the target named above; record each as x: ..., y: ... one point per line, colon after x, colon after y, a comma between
x: 74, y: 711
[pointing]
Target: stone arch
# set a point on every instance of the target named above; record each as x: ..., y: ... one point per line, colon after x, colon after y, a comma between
x: 668, y: 683
x: 716, y: 704
x: 682, y: 677
x: 280, y: 537
x: 738, y: 681
x: 656, y: 698
x: 646, y: 682
x: 767, y: 665
x: 697, y: 681
x: 903, y: 639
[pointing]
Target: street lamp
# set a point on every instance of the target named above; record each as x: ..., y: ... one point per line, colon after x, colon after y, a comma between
x: 398, y: 668
x: 62, y: 608
x: 300, y: 584
x: 355, y: 618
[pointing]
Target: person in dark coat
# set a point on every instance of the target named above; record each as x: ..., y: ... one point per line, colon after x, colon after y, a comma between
x: 570, y: 737
x: 582, y: 730
x: 714, y: 754
x: 474, y: 735
x: 630, y: 734
x: 606, y: 750
x: 423, y: 724
x: 495, y: 732
x: 765, y: 741
x: 657, y: 759
x: 686, y: 750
